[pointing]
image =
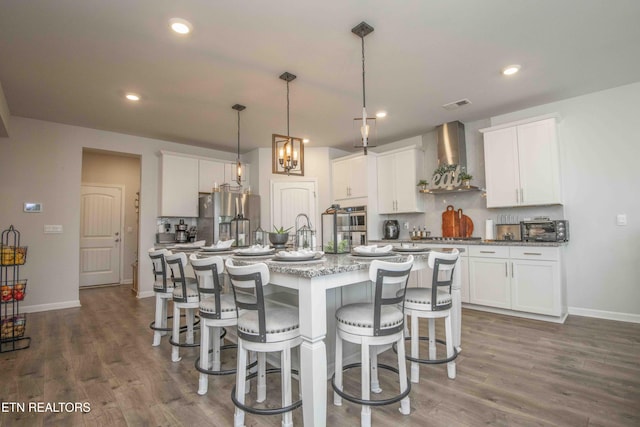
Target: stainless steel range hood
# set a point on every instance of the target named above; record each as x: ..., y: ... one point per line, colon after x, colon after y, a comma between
x: 452, y: 148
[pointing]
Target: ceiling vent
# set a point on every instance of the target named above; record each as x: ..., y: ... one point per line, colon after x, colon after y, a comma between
x: 456, y: 104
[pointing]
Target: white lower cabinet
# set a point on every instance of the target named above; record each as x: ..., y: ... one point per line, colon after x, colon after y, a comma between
x: 517, y: 278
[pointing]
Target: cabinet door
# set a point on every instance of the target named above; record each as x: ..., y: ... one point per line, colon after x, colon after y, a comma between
x: 405, y: 181
x: 501, y: 167
x: 538, y: 162
x: 210, y: 172
x: 358, y: 180
x: 386, y: 184
x: 490, y: 282
x: 179, y: 187
x: 341, y: 177
x: 536, y: 287
x: 464, y: 279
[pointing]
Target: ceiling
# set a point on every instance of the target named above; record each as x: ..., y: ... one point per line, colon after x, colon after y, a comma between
x: 72, y: 61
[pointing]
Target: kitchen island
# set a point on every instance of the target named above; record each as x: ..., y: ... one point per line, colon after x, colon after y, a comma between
x: 312, y: 281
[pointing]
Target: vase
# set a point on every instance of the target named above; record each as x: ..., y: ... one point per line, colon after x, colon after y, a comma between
x: 278, y: 240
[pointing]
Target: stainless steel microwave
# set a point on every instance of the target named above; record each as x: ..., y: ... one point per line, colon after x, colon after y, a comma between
x: 545, y: 230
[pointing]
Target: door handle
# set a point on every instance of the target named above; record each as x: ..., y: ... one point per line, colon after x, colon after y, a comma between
x: 117, y: 233
x: 517, y: 196
x: 117, y: 240
x: 511, y: 269
x: 506, y: 269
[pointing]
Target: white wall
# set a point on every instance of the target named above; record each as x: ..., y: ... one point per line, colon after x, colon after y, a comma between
x: 41, y: 162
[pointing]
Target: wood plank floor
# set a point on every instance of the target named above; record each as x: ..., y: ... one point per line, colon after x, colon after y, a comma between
x: 512, y: 372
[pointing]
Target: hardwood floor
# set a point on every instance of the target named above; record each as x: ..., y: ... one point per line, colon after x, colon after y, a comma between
x: 511, y: 372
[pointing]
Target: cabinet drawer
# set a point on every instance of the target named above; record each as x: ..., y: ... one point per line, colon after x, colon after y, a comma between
x: 535, y: 253
x: 489, y: 251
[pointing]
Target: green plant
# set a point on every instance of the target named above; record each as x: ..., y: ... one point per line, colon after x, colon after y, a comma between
x: 442, y: 169
x: 465, y: 176
x: 281, y: 230
x: 423, y: 183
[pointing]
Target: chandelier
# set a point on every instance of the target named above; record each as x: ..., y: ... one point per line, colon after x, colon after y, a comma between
x: 238, y: 108
x: 287, y: 151
x: 364, y: 123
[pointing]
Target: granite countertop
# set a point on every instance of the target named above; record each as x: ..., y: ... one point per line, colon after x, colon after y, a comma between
x: 472, y: 242
x: 329, y: 264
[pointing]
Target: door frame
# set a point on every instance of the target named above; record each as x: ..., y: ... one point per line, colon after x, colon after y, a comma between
x: 121, y: 230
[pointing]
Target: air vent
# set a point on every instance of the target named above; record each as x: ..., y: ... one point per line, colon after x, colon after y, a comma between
x: 456, y: 104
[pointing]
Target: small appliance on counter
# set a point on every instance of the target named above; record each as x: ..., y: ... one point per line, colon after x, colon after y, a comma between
x: 508, y: 232
x: 545, y: 230
x: 181, y: 232
x: 391, y: 229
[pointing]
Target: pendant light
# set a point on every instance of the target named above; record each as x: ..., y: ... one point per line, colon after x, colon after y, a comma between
x: 365, y: 123
x: 287, y: 151
x: 238, y: 108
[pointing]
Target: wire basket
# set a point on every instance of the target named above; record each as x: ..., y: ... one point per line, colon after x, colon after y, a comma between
x: 13, y: 327
x: 13, y: 291
x: 13, y: 255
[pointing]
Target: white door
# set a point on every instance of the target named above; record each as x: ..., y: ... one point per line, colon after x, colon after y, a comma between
x: 100, y: 213
x: 290, y: 198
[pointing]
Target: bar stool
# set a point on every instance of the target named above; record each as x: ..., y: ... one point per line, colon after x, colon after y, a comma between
x: 185, y: 296
x: 262, y: 328
x: 433, y: 303
x: 375, y: 324
x: 163, y: 290
x: 217, y: 310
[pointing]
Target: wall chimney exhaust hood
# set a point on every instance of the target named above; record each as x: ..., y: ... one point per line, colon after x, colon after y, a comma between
x: 452, y: 150
x: 452, y: 147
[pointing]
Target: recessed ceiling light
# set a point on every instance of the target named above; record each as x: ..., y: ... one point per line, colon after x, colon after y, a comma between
x: 132, y: 96
x: 381, y: 114
x: 510, y: 69
x: 304, y: 141
x: 180, y: 26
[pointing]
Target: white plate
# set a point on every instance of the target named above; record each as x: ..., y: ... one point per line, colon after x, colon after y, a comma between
x: 244, y: 252
x: 411, y: 249
x: 214, y: 249
x: 371, y: 254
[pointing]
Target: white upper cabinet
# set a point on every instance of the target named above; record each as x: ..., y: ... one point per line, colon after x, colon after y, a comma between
x: 397, y: 171
x: 521, y: 164
x: 350, y: 177
x: 179, y: 186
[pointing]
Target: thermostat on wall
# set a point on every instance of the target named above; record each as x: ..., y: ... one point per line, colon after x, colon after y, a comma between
x: 32, y: 207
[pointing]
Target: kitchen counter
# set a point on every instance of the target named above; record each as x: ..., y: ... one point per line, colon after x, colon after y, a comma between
x: 472, y: 242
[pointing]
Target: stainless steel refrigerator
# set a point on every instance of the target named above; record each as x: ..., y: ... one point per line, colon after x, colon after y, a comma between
x: 217, y: 210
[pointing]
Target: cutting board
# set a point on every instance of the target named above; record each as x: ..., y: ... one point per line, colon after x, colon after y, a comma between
x: 456, y: 223
x: 450, y: 223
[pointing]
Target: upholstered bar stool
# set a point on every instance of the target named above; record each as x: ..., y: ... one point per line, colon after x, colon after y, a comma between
x: 262, y: 328
x: 433, y: 303
x: 185, y: 296
x: 375, y: 324
x: 163, y: 289
x: 216, y: 310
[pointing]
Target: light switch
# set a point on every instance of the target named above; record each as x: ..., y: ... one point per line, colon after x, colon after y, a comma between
x: 621, y: 219
x: 48, y: 229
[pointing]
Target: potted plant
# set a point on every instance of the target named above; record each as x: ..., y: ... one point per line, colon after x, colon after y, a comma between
x: 423, y: 183
x: 279, y: 237
x: 466, y: 179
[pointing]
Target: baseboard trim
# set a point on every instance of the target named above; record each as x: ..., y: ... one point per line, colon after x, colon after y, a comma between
x: 145, y: 294
x: 608, y: 315
x: 127, y: 282
x: 533, y: 316
x: 49, y: 307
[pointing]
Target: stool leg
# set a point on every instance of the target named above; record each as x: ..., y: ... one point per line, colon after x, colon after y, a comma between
x: 285, y: 373
x: 203, y: 383
x: 415, y: 348
x: 175, y: 351
x: 451, y: 366
x: 158, y: 320
x: 190, y: 320
x: 262, y: 380
x: 375, y: 384
x: 241, y: 375
x: 432, y: 339
x: 365, y: 414
x: 405, y: 404
x: 337, y: 400
x: 216, y: 348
